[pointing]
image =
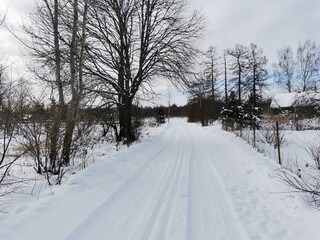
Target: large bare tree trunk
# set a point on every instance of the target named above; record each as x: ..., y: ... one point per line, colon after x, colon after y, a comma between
x: 125, y: 121
x: 76, y: 87
x: 57, y: 109
x: 137, y: 41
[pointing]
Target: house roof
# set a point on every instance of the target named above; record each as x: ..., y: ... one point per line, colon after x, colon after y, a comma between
x: 295, y: 99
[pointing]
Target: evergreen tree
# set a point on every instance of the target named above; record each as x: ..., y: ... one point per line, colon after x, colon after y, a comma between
x: 252, y: 116
x: 161, y: 117
x: 233, y: 112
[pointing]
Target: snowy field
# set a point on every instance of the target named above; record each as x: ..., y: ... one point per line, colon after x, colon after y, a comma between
x: 295, y: 145
x: 180, y: 182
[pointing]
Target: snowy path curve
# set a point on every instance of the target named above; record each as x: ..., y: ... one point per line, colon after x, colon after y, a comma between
x: 184, y: 183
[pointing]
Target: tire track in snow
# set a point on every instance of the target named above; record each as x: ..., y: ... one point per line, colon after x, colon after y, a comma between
x: 153, y: 211
x: 107, y: 224
x: 173, y: 186
x: 176, y: 195
x: 211, y: 216
x: 170, y: 208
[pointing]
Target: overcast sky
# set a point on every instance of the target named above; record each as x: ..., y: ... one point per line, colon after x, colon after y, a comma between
x: 271, y: 24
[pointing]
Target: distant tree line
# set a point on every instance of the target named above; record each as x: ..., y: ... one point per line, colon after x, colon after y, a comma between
x: 233, y: 82
x: 172, y: 111
x: 227, y: 82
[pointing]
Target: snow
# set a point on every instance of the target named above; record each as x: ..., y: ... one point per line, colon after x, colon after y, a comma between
x: 182, y: 182
x: 285, y: 100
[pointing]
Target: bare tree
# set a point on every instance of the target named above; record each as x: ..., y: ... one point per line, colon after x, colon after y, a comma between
x: 308, y: 63
x: 10, y: 114
x: 8, y: 123
x: 46, y: 45
x: 53, y: 12
x: 212, y: 73
x: 134, y: 41
x: 258, y: 74
x: 199, y: 89
x: 212, y: 70
x: 34, y: 141
x: 57, y: 44
x: 284, y: 69
x: 239, y: 65
x: 77, y: 57
x: 304, y: 178
x: 225, y: 79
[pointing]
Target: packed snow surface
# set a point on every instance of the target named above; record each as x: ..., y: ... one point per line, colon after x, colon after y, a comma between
x: 183, y: 182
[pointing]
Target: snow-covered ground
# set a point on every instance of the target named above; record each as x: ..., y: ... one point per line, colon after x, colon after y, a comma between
x: 182, y: 182
x: 295, y: 145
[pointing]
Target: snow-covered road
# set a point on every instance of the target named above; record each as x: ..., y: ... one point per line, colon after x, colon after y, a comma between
x: 183, y: 183
x: 176, y: 194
